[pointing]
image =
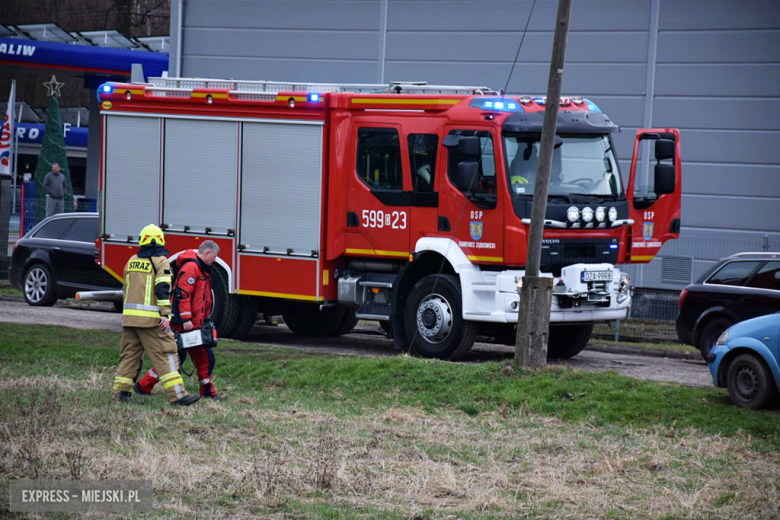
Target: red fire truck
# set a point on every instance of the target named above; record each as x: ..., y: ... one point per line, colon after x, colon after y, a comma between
x: 406, y: 203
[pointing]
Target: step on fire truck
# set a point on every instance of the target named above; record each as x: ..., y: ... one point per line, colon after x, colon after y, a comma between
x: 408, y: 204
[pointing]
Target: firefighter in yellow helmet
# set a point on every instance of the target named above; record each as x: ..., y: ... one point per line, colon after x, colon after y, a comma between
x: 145, y: 325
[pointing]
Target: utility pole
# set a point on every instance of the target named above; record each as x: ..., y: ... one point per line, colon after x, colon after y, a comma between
x: 533, y: 321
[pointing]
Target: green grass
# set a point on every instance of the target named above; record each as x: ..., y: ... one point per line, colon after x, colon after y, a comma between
x: 304, y: 435
x: 7, y: 290
x: 347, y: 385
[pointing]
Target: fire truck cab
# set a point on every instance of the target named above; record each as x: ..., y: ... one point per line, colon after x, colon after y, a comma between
x: 406, y: 203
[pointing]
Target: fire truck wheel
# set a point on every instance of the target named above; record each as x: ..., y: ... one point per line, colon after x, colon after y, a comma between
x: 566, y: 341
x: 306, y: 319
x: 226, y: 308
x: 433, y: 319
x: 347, y: 323
x: 247, y: 316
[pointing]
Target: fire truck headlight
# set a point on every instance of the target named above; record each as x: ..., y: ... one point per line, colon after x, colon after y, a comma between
x: 612, y: 214
x: 624, y: 287
x: 601, y: 213
x: 587, y: 214
x: 573, y: 214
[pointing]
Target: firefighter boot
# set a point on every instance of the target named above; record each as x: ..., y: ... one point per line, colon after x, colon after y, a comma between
x: 124, y: 397
x: 204, y: 362
x: 186, y: 401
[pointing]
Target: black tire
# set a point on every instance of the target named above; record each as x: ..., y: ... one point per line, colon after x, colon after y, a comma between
x: 750, y: 382
x: 710, y: 333
x: 247, y: 316
x: 347, y: 323
x: 226, y: 309
x: 566, y: 341
x: 441, y: 332
x: 306, y: 319
x: 38, y: 286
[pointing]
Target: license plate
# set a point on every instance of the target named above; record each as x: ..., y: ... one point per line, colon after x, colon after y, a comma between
x: 597, y: 276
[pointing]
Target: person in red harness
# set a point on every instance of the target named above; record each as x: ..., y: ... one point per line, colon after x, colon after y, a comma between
x: 191, y: 304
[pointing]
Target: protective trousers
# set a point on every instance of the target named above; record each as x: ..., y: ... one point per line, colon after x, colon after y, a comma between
x: 161, y: 349
x: 204, y: 360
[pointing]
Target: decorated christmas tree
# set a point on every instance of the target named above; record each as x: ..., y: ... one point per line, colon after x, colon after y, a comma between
x: 53, y: 148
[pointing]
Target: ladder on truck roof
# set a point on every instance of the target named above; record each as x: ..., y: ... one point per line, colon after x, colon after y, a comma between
x: 267, y: 90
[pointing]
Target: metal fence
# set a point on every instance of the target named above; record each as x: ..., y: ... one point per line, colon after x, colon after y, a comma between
x: 23, y: 210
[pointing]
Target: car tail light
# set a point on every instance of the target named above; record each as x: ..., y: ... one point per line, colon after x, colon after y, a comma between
x: 683, y: 294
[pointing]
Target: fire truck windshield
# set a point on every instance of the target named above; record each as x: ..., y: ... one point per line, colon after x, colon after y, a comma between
x: 584, y: 165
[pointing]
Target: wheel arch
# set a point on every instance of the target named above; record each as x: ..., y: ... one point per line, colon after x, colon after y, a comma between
x: 710, y: 314
x: 219, y: 261
x: 756, y: 349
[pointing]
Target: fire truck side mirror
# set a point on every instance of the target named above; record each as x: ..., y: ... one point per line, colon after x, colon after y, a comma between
x: 451, y: 141
x: 466, y: 176
x: 664, y: 179
x: 664, y: 149
x: 469, y: 146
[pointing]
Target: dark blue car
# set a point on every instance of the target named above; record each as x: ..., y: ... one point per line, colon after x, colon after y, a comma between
x: 745, y: 360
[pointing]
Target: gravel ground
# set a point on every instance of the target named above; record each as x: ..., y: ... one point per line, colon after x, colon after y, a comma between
x: 367, y: 340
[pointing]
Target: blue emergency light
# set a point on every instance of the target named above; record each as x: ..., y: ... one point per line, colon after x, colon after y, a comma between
x: 613, y: 246
x: 313, y: 97
x: 592, y: 106
x: 106, y: 88
x: 496, y: 103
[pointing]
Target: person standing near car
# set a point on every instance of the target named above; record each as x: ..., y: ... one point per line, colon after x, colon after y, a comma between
x: 191, y: 305
x: 145, y: 321
x: 56, y: 186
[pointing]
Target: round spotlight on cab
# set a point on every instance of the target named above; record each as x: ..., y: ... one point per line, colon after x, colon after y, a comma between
x: 601, y: 213
x: 587, y: 214
x: 612, y: 214
x: 209, y: 99
x: 291, y: 102
x: 573, y: 214
x: 128, y: 95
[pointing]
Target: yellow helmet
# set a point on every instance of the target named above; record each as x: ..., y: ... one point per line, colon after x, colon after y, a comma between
x: 149, y: 233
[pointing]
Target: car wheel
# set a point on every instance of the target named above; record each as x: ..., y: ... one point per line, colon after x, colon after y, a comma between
x: 39, y: 286
x: 433, y: 319
x: 710, y: 333
x: 750, y: 382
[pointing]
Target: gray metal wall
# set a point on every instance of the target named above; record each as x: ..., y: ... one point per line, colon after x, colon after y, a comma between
x: 708, y: 67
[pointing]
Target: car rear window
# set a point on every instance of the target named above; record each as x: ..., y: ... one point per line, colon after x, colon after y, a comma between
x: 733, y: 273
x: 83, y: 230
x: 768, y: 277
x: 54, y: 229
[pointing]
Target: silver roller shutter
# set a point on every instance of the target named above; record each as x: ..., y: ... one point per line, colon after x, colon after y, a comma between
x: 132, y: 175
x: 281, y: 187
x: 200, y: 175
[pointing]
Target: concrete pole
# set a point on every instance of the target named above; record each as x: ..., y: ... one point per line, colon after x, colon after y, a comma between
x: 533, y: 323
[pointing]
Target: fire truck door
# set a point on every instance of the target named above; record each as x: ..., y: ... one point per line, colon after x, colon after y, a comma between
x: 378, y: 217
x: 469, y: 204
x: 654, y: 192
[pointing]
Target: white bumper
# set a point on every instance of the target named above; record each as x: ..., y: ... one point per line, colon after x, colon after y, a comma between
x: 493, y: 296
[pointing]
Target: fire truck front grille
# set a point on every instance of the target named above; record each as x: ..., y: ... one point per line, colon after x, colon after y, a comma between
x: 560, y: 253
